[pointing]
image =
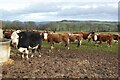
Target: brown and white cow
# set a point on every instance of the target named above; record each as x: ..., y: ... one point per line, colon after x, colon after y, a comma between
x: 86, y: 35
x: 45, y: 35
x: 57, y: 38
x: 103, y: 37
x: 76, y: 38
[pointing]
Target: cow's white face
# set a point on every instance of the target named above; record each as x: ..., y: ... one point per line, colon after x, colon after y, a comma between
x: 45, y: 35
x: 95, y: 37
x: 15, y: 38
x: 89, y: 36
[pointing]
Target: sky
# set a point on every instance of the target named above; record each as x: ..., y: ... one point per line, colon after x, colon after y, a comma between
x: 57, y: 10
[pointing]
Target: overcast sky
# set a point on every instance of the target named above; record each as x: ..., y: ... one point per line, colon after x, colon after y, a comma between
x: 55, y: 10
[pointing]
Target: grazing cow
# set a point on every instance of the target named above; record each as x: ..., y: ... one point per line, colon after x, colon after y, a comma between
x: 76, y: 38
x: 57, y: 38
x: 103, y: 38
x: 116, y: 37
x: 26, y: 41
x: 85, y: 35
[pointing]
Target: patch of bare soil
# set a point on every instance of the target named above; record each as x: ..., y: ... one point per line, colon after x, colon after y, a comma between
x: 63, y: 63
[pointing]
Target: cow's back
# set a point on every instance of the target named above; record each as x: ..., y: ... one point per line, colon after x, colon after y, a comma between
x: 27, y: 39
x: 105, y: 37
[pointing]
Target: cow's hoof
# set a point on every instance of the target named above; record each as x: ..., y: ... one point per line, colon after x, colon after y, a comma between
x: 58, y: 50
x: 39, y: 55
x: 27, y: 58
x: 31, y: 56
x: 52, y: 47
x: 68, y: 48
x: 50, y: 51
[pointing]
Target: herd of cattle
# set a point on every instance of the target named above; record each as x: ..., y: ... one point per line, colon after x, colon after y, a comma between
x: 24, y: 40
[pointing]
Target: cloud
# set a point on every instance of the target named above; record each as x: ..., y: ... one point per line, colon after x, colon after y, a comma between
x: 61, y: 10
x: 92, y: 9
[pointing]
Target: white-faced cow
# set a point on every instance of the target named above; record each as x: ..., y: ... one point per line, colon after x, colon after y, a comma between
x: 27, y: 40
x: 56, y: 38
x: 85, y: 35
x: 103, y: 37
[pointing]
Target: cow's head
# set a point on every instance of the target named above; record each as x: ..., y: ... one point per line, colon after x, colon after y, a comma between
x: 90, y: 35
x: 45, y: 35
x: 15, y: 38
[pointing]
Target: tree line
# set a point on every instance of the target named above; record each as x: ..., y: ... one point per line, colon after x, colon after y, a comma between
x: 64, y: 25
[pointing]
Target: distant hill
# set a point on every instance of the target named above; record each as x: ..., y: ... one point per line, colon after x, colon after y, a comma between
x: 43, y: 22
x: 64, y: 25
x: 75, y: 25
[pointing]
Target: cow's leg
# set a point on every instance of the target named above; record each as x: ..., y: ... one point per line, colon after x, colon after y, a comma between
x: 66, y: 45
x: 23, y: 54
x: 52, y: 45
x: 22, y: 51
x: 33, y: 51
x: 39, y: 50
x: 66, y: 42
x: 89, y: 39
x: 100, y: 43
x: 109, y: 43
x: 27, y: 52
x: 78, y: 43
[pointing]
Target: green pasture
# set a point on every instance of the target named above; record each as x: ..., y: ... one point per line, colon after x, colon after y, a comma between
x: 87, y: 47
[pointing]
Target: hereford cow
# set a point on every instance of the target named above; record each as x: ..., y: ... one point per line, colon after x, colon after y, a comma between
x: 103, y: 37
x: 76, y: 38
x: 45, y: 35
x: 27, y: 40
x: 57, y: 38
x: 85, y: 35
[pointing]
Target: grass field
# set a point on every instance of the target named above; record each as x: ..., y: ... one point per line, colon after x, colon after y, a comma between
x: 89, y: 47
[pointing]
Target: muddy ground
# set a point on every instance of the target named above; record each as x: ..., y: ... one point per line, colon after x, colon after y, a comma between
x: 61, y: 63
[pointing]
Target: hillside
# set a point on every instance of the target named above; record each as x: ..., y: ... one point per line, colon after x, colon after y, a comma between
x: 64, y: 25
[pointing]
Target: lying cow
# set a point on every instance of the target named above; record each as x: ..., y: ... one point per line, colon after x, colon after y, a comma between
x: 56, y: 38
x: 103, y: 38
x: 76, y: 38
x: 27, y: 40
